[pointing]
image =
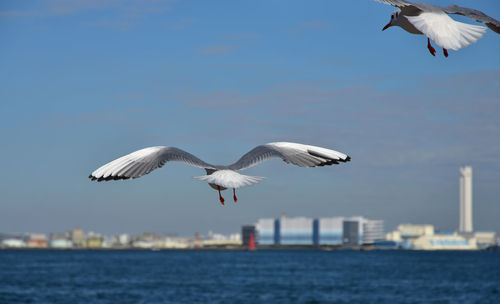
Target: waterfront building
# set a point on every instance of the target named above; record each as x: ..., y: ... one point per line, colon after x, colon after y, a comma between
x: 246, y: 232
x: 109, y: 241
x: 350, y: 235
x: 60, y: 241
x: 77, y: 236
x: 124, y: 239
x: 444, y: 242
x: 265, y: 230
x: 94, y: 240
x: 404, y: 234
x: 235, y: 237
x: 424, y: 237
x: 410, y: 231
x: 13, y: 243
x: 149, y: 240
x: 393, y: 236
x: 465, y: 200
x: 321, y: 231
x: 296, y: 231
x: 277, y: 231
x: 329, y: 231
x: 217, y: 239
x: 373, y: 230
x: 174, y: 243
x: 361, y: 226
x: 37, y: 240
x: 485, y: 239
x: 143, y: 244
x: 58, y: 236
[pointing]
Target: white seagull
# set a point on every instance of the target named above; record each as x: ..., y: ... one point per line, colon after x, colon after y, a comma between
x: 433, y: 21
x: 143, y: 161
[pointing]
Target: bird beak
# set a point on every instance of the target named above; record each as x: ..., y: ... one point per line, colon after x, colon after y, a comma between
x: 387, y: 26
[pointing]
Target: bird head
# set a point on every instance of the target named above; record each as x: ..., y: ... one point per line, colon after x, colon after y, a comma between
x: 394, y: 19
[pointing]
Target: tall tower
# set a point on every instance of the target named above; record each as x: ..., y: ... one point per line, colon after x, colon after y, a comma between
x: 465, y: 199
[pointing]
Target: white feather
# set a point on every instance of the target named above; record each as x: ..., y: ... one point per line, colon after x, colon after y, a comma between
x: 293, y: 153
x: 141, y: 162
x: 229, y: 179
x: 446, y: 32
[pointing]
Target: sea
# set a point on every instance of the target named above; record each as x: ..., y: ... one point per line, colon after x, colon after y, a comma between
x: 262, y: 276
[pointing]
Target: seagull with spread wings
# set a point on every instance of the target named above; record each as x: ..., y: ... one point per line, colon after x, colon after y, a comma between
x: 141, y: 162
x: 433, y: 21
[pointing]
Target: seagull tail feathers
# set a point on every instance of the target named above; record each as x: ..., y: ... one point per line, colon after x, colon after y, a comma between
x: 229, y: 179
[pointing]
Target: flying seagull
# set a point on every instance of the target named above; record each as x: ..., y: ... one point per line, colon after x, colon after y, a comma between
x: 141, y: 162
x: 433, y: 21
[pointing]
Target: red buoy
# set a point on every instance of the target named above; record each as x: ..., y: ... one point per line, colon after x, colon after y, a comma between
x: 251, y: 243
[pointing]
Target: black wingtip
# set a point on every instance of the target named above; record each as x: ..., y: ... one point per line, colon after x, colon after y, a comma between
x: 100, y: 179
x: 347, y: 159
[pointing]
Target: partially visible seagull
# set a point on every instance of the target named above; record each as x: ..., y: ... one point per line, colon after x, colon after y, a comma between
x: 143, y: 161
x: 433, y: 21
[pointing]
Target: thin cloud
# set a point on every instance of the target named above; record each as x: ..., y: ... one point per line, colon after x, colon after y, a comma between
x: 68, y: 7
x: 383, y: 127
x: 130, y: 12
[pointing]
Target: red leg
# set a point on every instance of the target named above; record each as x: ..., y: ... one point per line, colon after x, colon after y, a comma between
x: 234, y: 196
x: 220, y: 196
x: 431, y: 49
x: 445, y: 51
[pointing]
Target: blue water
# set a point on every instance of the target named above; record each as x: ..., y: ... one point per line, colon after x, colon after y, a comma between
x: 295, y: 276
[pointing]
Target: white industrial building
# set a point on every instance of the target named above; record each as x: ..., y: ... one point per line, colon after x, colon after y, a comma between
x: 296, y: 231
x: 265, y: 229
x: 321, y: 231
x: 423, y: 237
x: 373, y: 231
x: 330, y: 230
x: 444, y: 242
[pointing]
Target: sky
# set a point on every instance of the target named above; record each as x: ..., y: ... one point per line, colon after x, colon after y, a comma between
x: 84, y: 82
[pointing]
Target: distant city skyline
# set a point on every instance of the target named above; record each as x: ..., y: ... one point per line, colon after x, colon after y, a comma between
x: 335, y: 232
x: 84, y: 82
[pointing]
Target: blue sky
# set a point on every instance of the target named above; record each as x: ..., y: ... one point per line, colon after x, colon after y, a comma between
x: 84, y: 82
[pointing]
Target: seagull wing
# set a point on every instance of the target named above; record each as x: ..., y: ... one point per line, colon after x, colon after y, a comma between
x: 141, y: 162
x: 411, y: 8
x: 476, y: 15
x: 446, y: 32
x: 293, y: 153
x: 396, y: 3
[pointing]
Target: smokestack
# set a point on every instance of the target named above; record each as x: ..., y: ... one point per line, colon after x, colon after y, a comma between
x: 465, y: 199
